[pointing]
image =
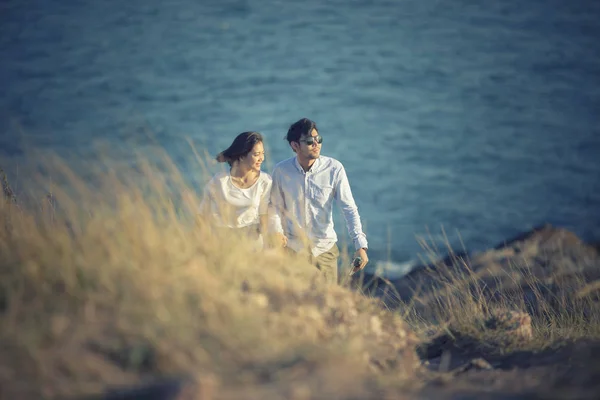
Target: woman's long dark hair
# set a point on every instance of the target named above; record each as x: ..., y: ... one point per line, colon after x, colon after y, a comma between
x: 241, y: 146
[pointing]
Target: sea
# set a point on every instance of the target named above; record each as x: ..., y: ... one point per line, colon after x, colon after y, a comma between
x: 460, y: 123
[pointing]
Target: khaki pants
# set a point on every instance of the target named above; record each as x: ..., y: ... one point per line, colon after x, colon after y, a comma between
x: 327, y: 263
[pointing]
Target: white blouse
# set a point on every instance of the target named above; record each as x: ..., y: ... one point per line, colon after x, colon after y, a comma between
x: 230, y: 206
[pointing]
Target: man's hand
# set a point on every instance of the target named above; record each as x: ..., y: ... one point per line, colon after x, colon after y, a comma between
x: 282, y: 239
x: 277, y: 240
x: 362, y: 253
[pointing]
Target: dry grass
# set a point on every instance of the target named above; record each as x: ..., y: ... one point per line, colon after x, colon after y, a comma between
x: 564, y: 303
x: 111, y: 279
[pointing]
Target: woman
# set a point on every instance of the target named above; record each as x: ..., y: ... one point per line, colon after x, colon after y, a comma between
x: 239, y: 198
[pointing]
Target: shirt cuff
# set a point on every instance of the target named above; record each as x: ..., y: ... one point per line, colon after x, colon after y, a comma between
x: 361, y: 243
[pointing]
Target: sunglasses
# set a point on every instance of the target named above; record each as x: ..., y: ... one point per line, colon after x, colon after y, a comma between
x: 312, y: 139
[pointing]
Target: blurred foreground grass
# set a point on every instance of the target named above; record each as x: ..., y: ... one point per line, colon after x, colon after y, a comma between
x: 108, y: 278
x: 111, y: 279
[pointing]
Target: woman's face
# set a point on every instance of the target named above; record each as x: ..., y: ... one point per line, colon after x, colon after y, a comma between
x: 255, y: 158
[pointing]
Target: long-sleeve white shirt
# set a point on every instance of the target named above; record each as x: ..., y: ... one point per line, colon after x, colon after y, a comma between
x: 304, y: 202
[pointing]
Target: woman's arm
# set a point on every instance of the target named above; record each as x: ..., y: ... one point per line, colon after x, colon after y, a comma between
x: 270, y: 224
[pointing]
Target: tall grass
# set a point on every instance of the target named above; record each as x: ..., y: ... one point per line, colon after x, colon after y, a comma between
x: 109, y: 277
x: 112, y: 278
x: 563, y: 302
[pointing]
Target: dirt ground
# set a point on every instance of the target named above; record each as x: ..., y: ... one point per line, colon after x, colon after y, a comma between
x: 569, y: 370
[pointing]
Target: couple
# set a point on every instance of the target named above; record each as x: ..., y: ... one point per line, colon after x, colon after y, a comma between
x: 294, y: 206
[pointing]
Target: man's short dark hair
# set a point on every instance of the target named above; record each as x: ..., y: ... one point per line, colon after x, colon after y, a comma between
x: 301, y: 127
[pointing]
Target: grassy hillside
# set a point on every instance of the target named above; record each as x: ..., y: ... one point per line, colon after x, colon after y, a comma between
x: 112, y: 282
x: 109, y: 280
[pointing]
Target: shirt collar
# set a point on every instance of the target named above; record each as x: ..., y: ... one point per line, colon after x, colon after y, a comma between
x: 314, y: 167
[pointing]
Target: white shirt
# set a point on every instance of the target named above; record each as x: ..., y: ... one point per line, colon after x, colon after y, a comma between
x: 230, y: 206
x: 304, y: 202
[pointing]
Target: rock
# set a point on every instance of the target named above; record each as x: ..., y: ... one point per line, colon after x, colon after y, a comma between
x: 501, y: 328
x: 477, y: 364
x: 515, y: 325
x: 545, y: 254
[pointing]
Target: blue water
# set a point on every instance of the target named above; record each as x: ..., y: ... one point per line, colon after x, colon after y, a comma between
x: 478, y: 118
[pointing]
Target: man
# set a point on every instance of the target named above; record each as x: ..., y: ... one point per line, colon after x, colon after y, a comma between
x: 304, y: 188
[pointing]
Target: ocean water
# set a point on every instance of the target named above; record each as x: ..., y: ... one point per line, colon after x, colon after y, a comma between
x: 477, y: 120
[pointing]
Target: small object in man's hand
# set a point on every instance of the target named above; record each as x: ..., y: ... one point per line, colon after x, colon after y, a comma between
x: 355, y: 264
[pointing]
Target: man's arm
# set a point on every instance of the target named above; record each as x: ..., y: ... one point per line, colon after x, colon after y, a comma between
x: 343, y: 195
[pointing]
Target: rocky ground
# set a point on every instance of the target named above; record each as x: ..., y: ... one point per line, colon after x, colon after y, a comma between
x: 174, y: 314
x: 567, y: 370
x: 507, y: 362
x: 545, y: 270
x: 546, y: 253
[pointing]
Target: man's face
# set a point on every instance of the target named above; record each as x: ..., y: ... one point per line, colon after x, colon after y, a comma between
x: 308, y: 148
